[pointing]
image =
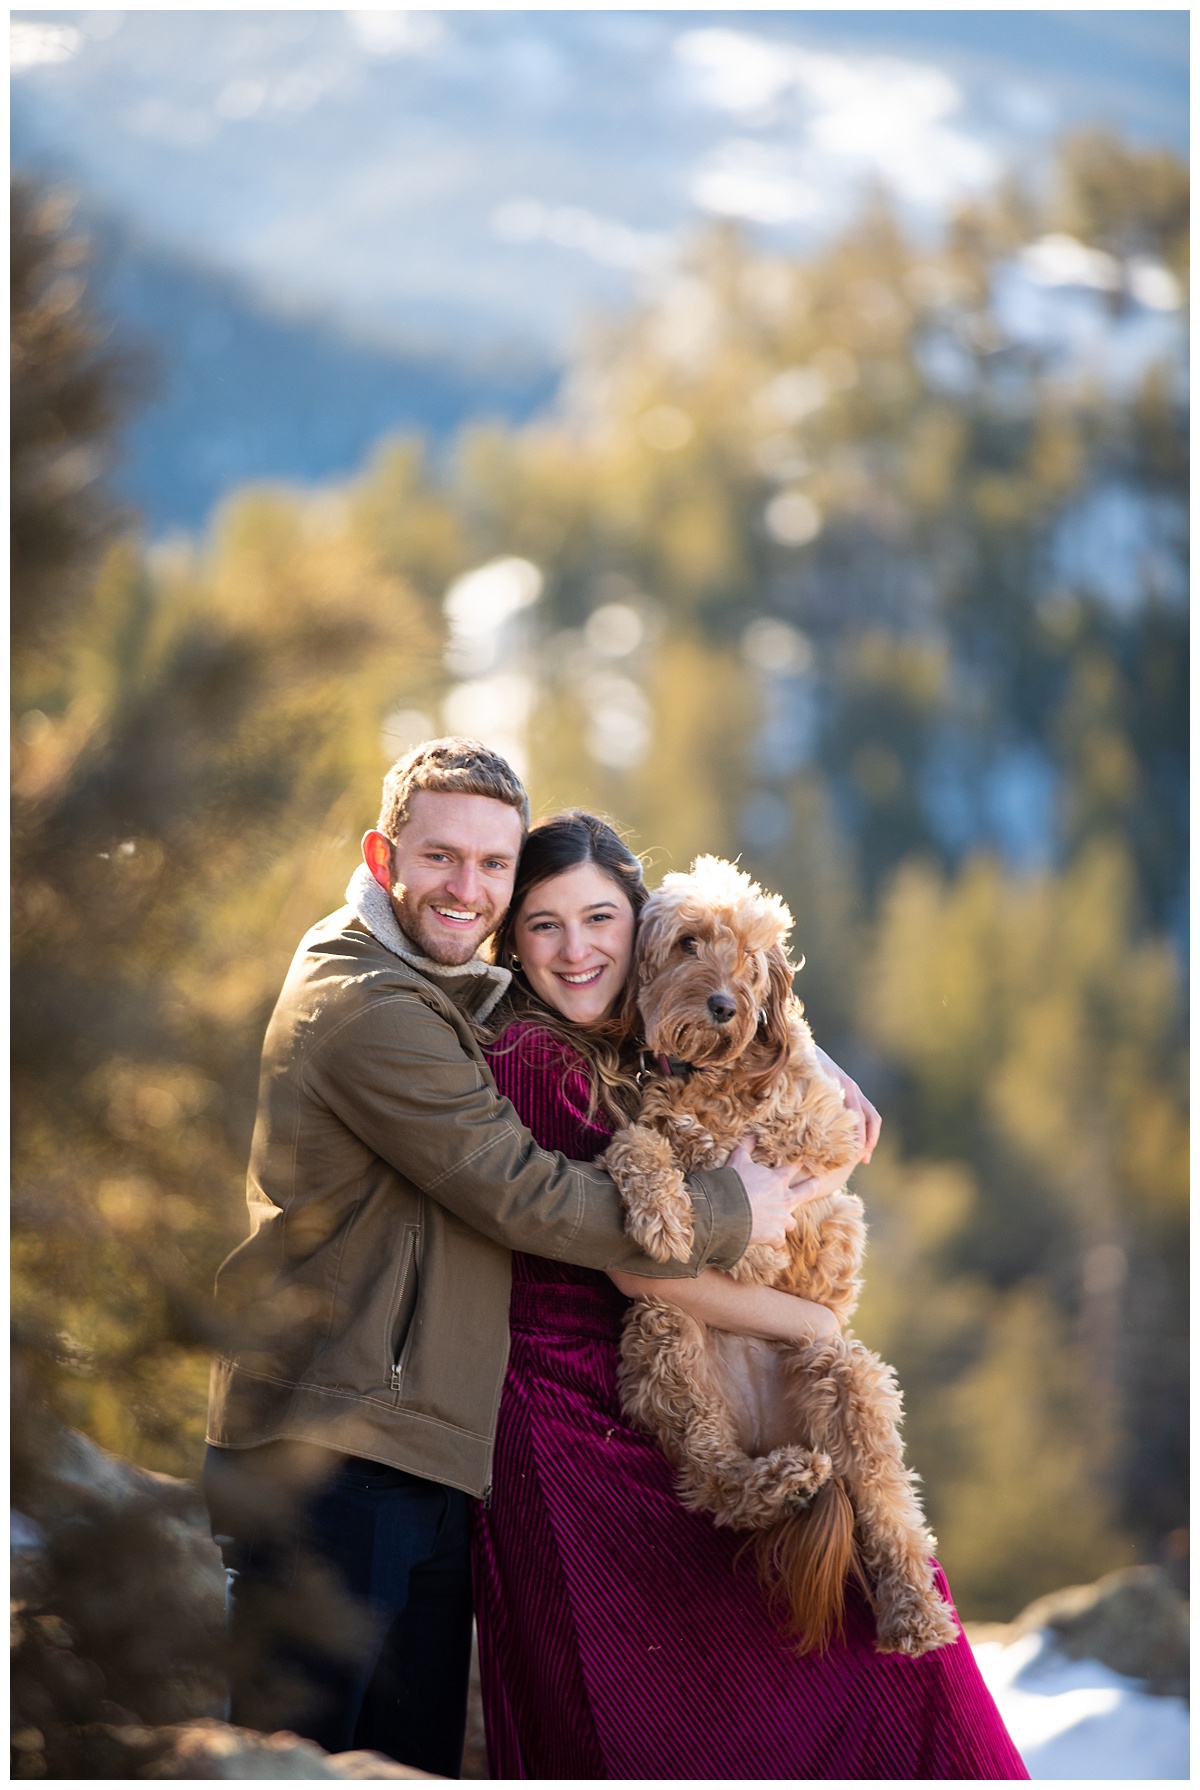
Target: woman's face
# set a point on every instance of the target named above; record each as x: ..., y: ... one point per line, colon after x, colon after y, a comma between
x: 574, y: 939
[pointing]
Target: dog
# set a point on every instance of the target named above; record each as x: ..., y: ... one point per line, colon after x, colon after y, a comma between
x: 797, y: 1443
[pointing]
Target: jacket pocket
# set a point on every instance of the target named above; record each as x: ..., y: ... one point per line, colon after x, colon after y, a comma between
x: 400, y: 1325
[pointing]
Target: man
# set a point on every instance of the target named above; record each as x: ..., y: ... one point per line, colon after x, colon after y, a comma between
x: 352, y: 1409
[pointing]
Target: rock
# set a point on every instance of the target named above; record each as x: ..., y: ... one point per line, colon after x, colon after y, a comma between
x: 24, y: 1535
x: 213, y: 1749
x: 210, y: 1749
x: 118, y: 1636
x: 26, y: 1554
x: 1133, y: 1621
x: 80, y: 1466
x: 121, y: 1558
x: 374, y: 1765
x: 84, y: 1480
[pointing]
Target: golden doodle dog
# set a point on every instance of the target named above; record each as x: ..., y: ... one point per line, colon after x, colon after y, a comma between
x: 795, y: 1442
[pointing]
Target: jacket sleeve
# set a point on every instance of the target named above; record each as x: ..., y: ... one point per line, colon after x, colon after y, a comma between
x: 395, y: 1074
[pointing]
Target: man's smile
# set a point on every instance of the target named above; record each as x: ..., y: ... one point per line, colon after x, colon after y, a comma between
x: 456, y: 916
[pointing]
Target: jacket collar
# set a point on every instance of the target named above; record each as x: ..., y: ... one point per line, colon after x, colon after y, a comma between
x: 372, y: 905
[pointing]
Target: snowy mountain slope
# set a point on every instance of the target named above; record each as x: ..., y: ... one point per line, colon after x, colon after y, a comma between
x: 242, y: 393
x: 329, y: 224
x: 370, y: 162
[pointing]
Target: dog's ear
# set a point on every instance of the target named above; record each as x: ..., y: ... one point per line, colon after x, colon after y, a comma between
x: 629, y: 1016
x: 773, y: 1029
x: 654, y: 924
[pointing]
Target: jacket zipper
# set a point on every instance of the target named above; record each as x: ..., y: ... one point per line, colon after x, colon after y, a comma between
x: 414, y: 1261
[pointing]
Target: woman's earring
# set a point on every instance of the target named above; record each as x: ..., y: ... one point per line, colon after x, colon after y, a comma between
x: 514, y: 961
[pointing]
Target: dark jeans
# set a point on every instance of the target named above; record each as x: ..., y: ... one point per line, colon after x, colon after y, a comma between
x: 349, y: 1602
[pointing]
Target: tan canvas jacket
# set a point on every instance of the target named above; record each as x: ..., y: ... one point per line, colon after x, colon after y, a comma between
x: 368, y: 1308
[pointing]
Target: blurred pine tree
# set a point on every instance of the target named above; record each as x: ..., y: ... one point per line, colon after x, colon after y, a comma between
x: 68, y: 388
x: 197, y: 742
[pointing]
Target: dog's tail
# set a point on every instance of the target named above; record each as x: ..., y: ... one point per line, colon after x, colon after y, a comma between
x: 803, y: 1565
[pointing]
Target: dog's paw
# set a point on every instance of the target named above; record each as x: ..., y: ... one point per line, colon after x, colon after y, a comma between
x: 658, y: 1206
x: 915, y: 1625
x: 779, y: 1484
x: 666, y: 1225
x: 760, y: 1264
x: 801, y: 1473
x: 664, y: 1233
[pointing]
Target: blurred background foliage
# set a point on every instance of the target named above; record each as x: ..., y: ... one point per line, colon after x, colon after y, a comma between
x: 820, y: 562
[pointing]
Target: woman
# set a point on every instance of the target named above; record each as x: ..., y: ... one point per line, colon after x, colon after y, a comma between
x: 620, y: 1635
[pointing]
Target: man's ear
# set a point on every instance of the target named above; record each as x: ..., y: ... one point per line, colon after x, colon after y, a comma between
x: 377, y: 855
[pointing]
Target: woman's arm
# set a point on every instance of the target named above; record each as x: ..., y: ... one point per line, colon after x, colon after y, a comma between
x: 732, y: 1305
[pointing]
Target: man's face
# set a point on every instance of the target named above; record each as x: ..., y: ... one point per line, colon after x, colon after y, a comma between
x: 452, y: 872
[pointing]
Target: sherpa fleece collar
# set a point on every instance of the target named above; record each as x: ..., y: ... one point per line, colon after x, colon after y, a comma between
x: 373, y: 907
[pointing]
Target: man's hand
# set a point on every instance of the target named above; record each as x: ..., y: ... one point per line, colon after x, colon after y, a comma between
x: 858, y: 1103
x: 770, y: 1193
x: 774, y: 1193
x: 815, y: 1187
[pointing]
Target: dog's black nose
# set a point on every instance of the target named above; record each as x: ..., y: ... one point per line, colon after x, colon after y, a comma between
x: 721, y: 1008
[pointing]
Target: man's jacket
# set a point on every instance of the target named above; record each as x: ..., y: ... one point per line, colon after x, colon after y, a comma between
x: 367, y: 1311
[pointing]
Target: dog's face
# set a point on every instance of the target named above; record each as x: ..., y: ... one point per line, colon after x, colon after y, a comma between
x: 712, y: 971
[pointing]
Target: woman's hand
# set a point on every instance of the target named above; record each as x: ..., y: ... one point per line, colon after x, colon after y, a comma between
x: 815, y: 1323
x: 858, y: 1103
x: 713, y: 1298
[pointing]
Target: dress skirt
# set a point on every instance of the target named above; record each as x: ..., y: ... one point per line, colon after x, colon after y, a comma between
x: 621, y: 1636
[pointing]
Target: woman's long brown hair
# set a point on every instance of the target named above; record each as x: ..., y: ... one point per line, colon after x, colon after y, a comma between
x: 553, y: 846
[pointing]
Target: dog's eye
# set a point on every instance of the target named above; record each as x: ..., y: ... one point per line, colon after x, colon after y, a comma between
x: 688, y: 945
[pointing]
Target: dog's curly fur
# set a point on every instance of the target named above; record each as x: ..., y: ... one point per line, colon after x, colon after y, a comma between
x: 797, y: 1443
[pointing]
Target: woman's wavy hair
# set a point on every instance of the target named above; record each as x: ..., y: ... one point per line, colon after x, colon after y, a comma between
x: 553, y: 846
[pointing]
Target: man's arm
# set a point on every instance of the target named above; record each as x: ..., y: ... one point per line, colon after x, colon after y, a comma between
x: 395, y: 1073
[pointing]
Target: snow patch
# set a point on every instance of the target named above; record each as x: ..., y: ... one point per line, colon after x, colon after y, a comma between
x: 1077, y: 1719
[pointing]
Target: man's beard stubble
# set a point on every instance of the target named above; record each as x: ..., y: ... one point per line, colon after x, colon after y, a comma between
x: 436, y: 945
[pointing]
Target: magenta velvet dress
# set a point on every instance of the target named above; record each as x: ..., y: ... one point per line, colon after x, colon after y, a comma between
x: 619, y: 1637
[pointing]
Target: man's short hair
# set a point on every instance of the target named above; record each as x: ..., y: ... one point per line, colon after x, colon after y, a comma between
x: 451, y: 767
